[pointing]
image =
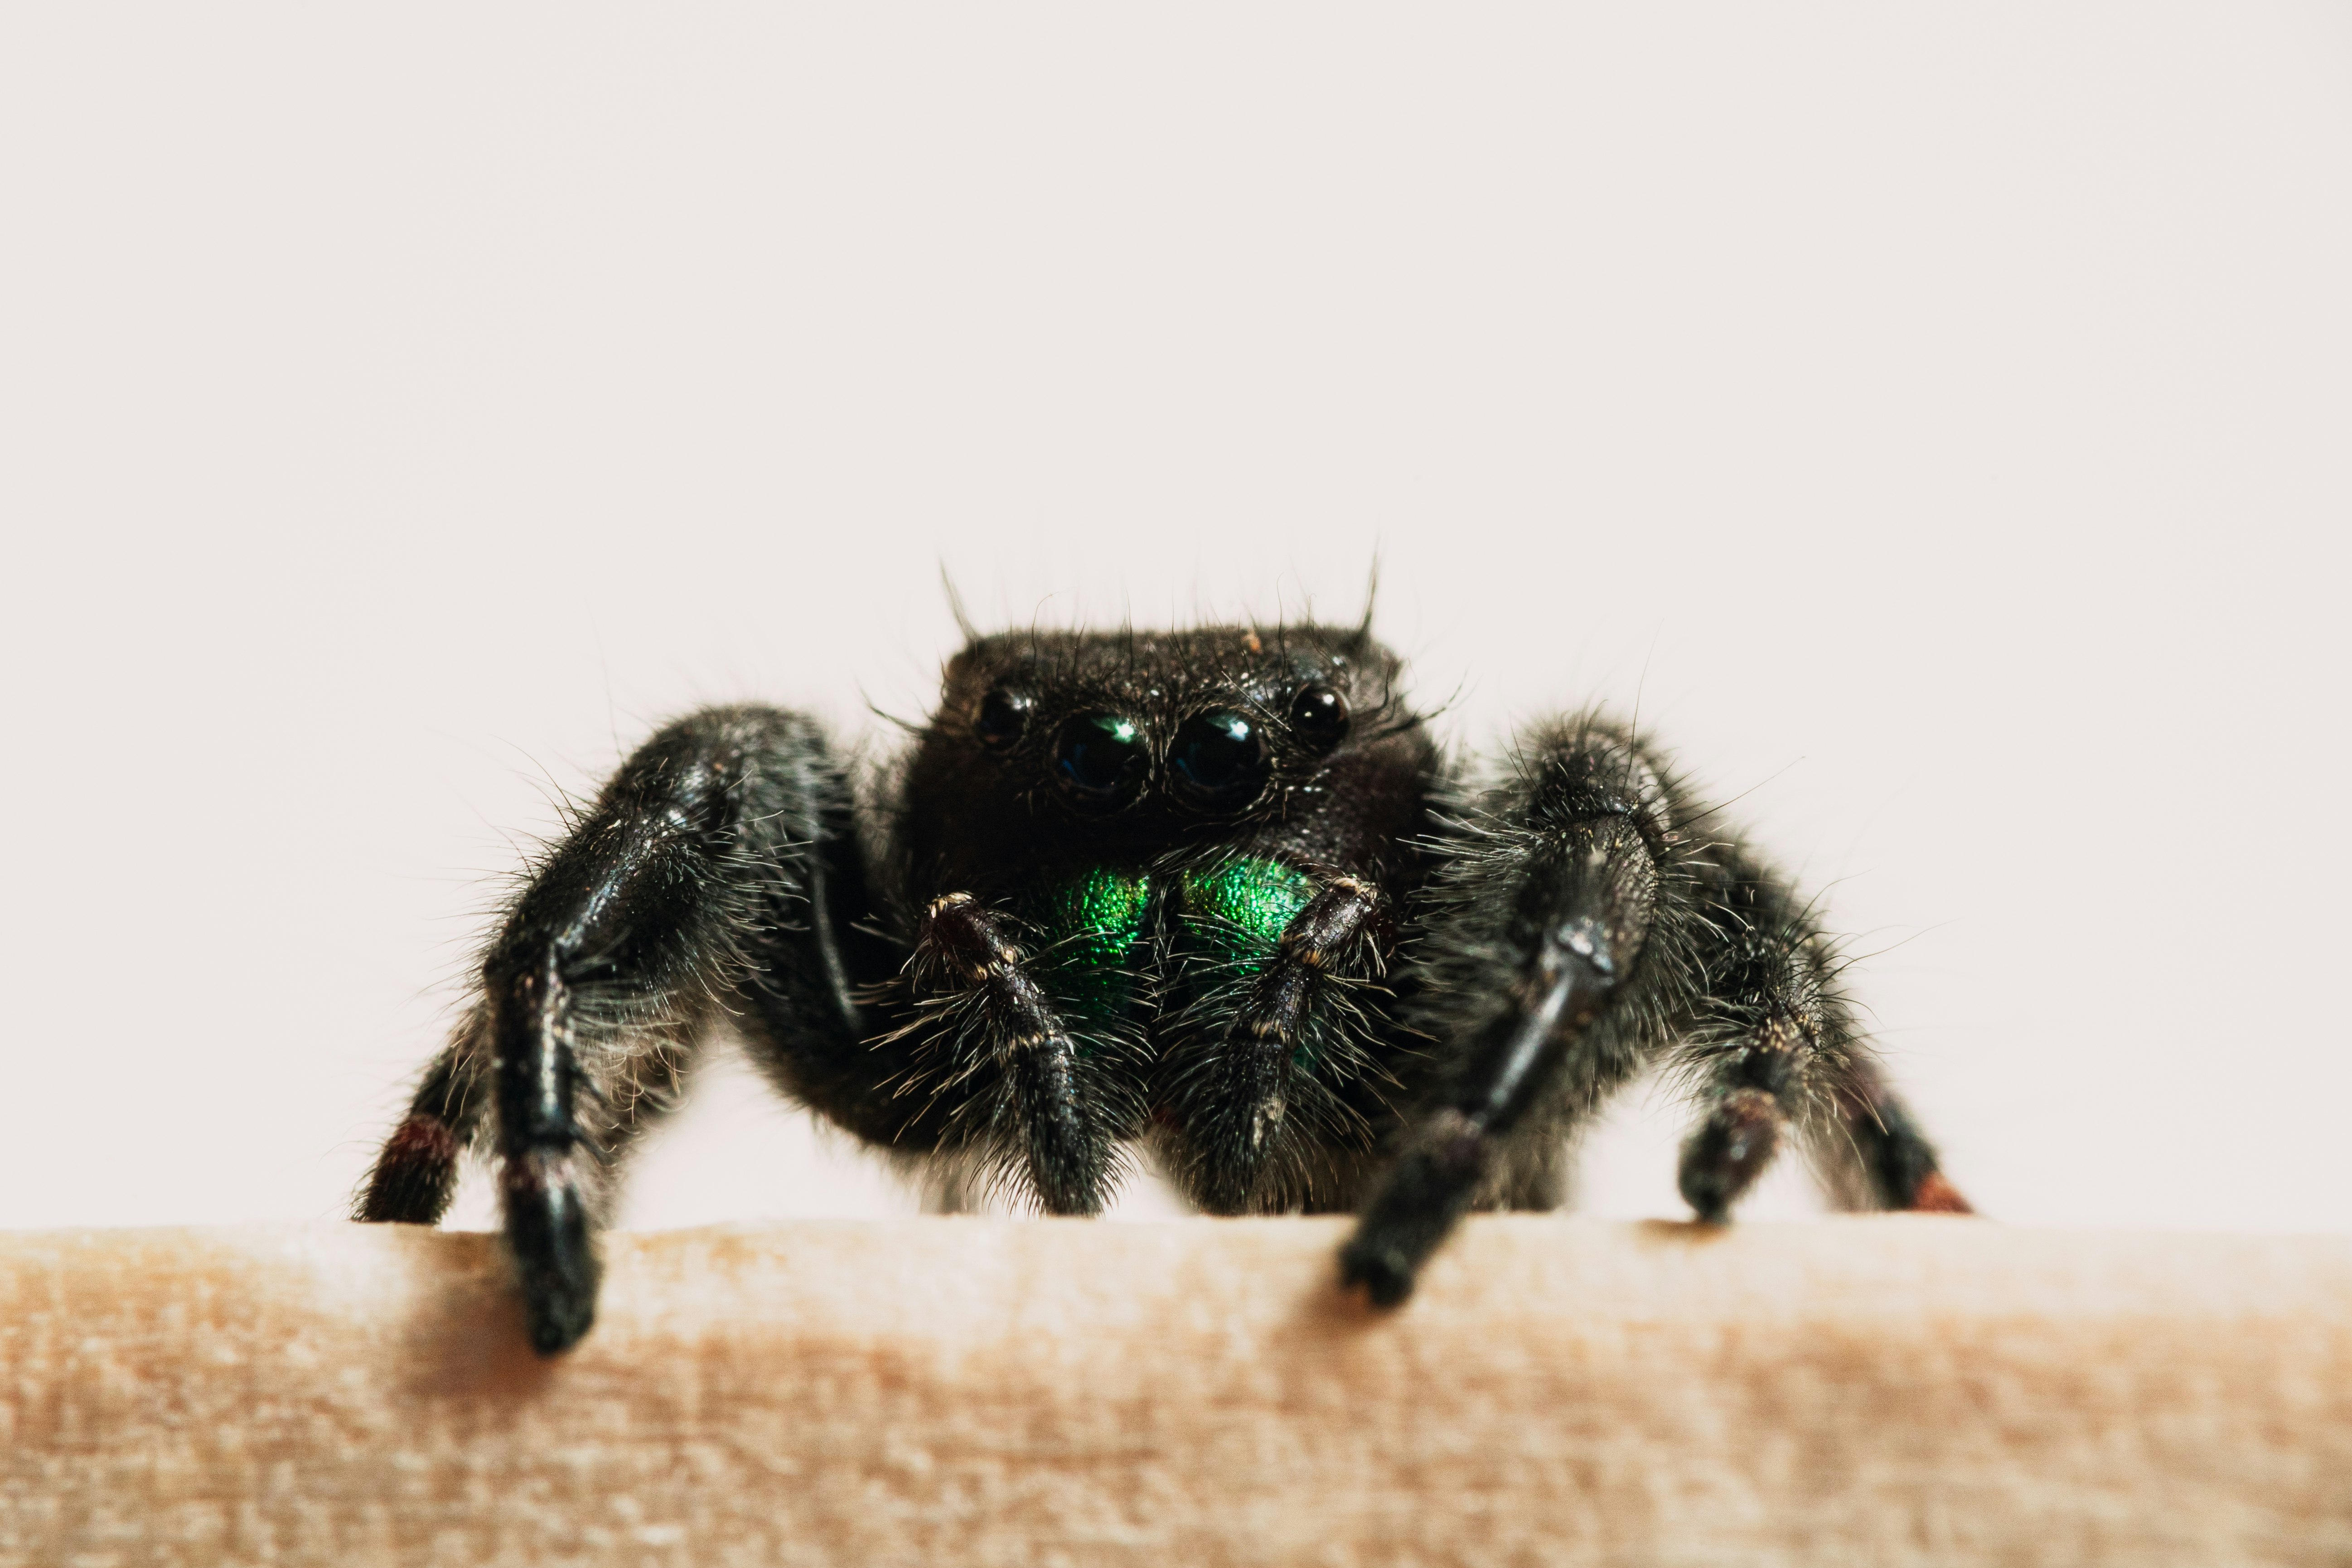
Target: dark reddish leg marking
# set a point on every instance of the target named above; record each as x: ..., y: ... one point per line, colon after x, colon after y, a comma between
x: 416, y: 1174
x: 1896, y: 1157
x: 1934, y: 1194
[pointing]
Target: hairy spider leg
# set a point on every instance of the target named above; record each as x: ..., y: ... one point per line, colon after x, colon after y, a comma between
x: 1874, y: 1154
x: 1543, y: 920
x: 416, y: 1176
x: 706, y: 859
x: 1774, y: 1045
x: 1580, y: 930
x: 1024, y: 1036
x: 1278, y: 947
x: 1772, y: 1042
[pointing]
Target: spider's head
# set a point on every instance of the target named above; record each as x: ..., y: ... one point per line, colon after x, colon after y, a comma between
x: 1151, y: 739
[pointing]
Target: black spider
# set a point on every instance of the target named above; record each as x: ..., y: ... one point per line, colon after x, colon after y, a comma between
x: 1212, y: 893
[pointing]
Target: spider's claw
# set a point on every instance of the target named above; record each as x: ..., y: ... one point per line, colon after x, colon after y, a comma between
x: 1934, y: 1194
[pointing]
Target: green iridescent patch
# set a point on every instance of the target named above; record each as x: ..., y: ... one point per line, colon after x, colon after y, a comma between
x: 1246, y: 904
x: 1093, y: 923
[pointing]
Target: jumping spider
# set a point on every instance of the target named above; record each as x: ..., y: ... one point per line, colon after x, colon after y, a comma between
x: 1212, y: 893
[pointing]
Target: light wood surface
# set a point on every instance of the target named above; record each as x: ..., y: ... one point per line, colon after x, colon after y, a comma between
x: 942, y: 1392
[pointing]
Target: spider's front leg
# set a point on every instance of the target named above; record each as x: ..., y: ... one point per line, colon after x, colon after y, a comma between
x: 710, y: 860
x: 1546, y: 952
x: 1576, y: 934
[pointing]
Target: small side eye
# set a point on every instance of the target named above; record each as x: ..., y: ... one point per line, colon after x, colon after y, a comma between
x: 1100, y: 759
x: 1003, y: 716
x: 1219, y: 760
x: 1319, y: 716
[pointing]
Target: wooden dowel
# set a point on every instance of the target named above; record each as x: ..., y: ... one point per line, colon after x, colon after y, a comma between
x: 946, y: 1392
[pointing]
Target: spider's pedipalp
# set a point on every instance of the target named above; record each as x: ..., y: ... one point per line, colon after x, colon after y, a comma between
x: 1047, y: 1120
x: 1232, y: 1100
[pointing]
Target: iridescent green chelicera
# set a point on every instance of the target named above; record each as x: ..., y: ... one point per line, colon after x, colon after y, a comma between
x: 1094, y: 922
x: 1246, y: 904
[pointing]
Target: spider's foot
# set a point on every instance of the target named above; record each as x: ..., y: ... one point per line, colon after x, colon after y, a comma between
x: 1728, y: 1152
x: 1069, y: 1166
x: 560, y: 1315
x: 415, y: 1177
x: 556, y: 1258
x: 1427, y: 1192
x: 1385, y: 1272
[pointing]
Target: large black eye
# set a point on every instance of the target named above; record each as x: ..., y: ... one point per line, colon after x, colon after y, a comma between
x: 1319, y: 716
x: 1220, y: 760
x: 1100, y: 758
x: 1003, y: 716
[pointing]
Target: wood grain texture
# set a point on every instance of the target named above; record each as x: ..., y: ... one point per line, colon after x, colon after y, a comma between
x: 942, y: 1392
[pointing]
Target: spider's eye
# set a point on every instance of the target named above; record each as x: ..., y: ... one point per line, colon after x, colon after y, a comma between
x: 1003, y: 716
x: 1100, y: 759
x: 1320, y: 715
x: 1219, y: 760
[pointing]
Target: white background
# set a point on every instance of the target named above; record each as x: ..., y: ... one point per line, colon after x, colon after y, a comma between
x: 1936, y: 416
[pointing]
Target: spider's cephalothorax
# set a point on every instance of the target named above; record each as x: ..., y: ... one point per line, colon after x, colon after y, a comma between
x: 1211, y: 893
